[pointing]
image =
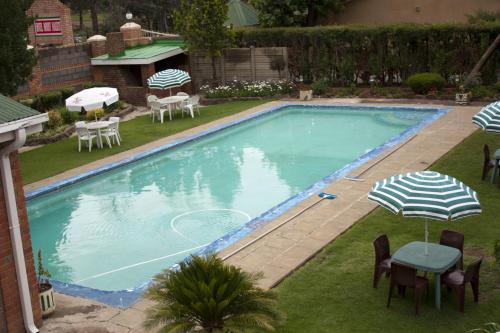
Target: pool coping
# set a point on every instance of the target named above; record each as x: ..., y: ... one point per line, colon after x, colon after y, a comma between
x: 125, y: 298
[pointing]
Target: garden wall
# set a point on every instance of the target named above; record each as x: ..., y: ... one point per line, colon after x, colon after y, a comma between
x: 348, y: 54
x: 249, y: 64
x: 59, y: 67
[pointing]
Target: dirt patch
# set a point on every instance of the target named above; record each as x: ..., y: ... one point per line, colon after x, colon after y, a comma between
x: 476, y: 252
x: 68, y: 311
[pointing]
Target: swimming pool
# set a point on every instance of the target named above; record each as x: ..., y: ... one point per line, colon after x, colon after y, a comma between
x: 117, y: 229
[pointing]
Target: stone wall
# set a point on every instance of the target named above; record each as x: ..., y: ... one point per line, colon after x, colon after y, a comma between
x: 51, y: 9
x: 11, y: 303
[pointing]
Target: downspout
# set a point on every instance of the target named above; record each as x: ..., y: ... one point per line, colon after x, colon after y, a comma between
x: 15, y: 230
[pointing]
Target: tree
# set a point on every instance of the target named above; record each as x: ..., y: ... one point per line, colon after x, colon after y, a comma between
x: 202, y: 25
x: 295, y: 12
x: 16, y: 61
x: 205, y: 292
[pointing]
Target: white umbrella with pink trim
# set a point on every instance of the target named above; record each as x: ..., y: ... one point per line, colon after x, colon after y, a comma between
x: 91, y: 99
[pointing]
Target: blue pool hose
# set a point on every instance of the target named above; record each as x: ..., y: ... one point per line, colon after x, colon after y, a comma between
x: 322, y: 196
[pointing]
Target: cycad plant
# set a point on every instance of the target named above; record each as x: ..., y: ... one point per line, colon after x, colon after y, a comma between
x: 207, y: 295
x: 488, y: 328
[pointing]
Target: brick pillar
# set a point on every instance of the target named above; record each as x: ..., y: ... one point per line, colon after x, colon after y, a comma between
x: 11, y: 303
x: 115, y: 44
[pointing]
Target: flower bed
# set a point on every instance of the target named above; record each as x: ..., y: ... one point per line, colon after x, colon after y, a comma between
x: 248, y: 89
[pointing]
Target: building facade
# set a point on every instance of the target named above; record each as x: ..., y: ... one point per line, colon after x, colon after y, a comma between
x: 52, y: 25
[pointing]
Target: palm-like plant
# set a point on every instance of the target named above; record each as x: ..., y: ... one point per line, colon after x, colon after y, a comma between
x: 488, y: 328
x: 205, y: 294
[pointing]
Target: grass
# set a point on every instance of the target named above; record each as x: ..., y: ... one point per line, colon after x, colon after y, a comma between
x: 333, y: 292
x: 63, y: 155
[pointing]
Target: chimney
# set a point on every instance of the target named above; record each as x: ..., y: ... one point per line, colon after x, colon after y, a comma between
x: 98, y: 45
x: 115, y: 45
x: 132, y: 35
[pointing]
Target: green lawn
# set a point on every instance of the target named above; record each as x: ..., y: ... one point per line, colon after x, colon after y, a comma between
x: 333, y: 292
x: 63, y: 155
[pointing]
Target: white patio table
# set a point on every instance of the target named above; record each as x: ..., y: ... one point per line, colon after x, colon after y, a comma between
x: 172, y: 102
x: 98, y: 126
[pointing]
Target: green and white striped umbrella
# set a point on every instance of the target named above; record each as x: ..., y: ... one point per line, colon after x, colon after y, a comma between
x: 168, y: 79
x: 488, y: 118
x: 426, y: 194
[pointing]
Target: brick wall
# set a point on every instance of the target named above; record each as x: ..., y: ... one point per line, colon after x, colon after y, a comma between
x: 60, y: 67
x: 51, y: 8
x: 8, y: 280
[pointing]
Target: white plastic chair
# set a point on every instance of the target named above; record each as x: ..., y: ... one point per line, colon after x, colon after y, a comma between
x: 157, y: 110
x: 117, y: 121
x: 80, y: 124
x: 151, y: 98
x: 111, y: 132
x: 192, y: 104
x: 84, y: 135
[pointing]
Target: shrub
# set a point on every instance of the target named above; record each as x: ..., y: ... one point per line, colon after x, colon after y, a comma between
x: 248, y: 89
x: 46, y: 101
x: 55, y: 119
x: 422, y: 83
x: 88, y: 85
x: 97, y: 113
x: 319, y: 87
x: 209, y: 294
x: 483, y: 92
x: 67, y: 116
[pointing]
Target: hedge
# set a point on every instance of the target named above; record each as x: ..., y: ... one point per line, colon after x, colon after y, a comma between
x: 349, y: 54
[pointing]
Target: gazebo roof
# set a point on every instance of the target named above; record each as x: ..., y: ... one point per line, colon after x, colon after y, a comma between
x: 14, y: 115
x: 11, y: 110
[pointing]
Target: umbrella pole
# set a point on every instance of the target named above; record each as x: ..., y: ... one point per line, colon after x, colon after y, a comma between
x: 426, y: 238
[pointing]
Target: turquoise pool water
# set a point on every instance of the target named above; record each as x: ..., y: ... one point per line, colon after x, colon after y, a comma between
x: 118, y: 229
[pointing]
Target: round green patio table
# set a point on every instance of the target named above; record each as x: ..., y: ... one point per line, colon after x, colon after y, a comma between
x: 438, y: 260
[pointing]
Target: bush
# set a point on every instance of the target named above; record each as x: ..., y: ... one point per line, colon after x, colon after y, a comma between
x: 97, y: 113
x: 346, y: 54
x: 89, y: 85
x: 55, y: 119
x: 67, y: 116
x: 52, y: 99
x: 319, y: 87
x: 422, y: 83
x: 483, y: 92
x: 248, y: 89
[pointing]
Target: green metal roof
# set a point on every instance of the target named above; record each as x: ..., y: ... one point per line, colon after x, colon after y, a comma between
x: 242, y: 14
x: 158, y: 48
x: 11, y: 110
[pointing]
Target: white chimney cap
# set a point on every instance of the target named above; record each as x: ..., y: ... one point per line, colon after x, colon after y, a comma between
x: 96, y: 38
x: 130, y: 25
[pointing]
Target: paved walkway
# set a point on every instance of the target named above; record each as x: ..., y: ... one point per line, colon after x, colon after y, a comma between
x: 284, y: 250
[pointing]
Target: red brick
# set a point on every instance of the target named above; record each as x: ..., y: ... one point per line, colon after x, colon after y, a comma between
x: 11, y: 305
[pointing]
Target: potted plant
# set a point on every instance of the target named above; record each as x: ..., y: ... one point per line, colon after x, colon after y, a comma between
x: 45, y: 289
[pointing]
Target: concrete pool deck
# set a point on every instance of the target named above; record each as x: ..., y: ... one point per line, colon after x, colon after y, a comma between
x: 284, y: 250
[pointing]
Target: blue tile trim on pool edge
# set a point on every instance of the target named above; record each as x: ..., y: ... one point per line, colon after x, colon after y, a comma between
x: 125, y: 298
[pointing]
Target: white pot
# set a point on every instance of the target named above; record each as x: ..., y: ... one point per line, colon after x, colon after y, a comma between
x: 305, y: 95
x: 47, y: 302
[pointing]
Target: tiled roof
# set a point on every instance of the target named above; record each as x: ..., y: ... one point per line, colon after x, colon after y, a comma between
x: 11, y: 110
